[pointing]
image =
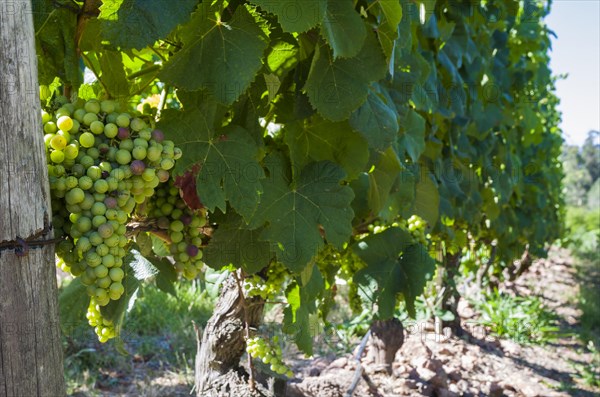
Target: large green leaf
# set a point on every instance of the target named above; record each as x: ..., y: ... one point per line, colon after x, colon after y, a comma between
x: 295, y: 15
x: 139, y: 23
x: 427, y: 200
x: 392, y: 9
x: 336, y: 87
x: 229, y: 171
x: 294, y: 210
x: 381, y: 179
x: 166, y: 276
x: 113, y: 75
x: 220, y: 57
x: 56, y: 49
x: 233, y: 243
x: 388, y: 28
x: 343, y: 28
x: 401, y: 197
x: 417, y: 267
x: 397, y: 265
x: 73, y: 302
x: 376, y: 119
x: 412, y: 136
x: 301, y: 313
x: 318, y: 139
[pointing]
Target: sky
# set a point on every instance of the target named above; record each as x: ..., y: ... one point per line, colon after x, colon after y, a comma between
x: 576, y: 51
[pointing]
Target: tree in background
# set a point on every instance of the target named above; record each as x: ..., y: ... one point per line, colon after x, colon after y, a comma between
x: 582, y: 169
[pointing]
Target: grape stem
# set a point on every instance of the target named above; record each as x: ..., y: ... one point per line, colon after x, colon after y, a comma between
x: 276, y: 302
x: 162, y: 102
x: 251, y: 384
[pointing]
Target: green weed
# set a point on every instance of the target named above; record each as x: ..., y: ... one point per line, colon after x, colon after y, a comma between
x: 522, y: 319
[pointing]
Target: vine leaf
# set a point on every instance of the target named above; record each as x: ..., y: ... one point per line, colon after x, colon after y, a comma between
x: 139, y: 23
x: 221, y: 57
x: 412, y: 137
x: 228, y: 159
x: 300, y: 316
x: 318, y: 139
x: 388, y: 29
x: 295, y: 15
x: 397, y: 265
x: 55, y: 47
x: 387, y: 166
x: 376, y: 119
x: 233, y: 243
x: 167, y: 276
x: 392, y: 9
x: 73, y: 302
x: 427, y: 200
x: 343, y: 28
x: 187, y: 187
x: 294, y: 210
x: 336, y: 87
x: 113, y: 74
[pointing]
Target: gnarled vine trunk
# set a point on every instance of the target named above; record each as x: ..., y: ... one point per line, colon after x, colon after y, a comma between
x: 451, y: 296
x: 387, y: 337
x: 218, y: 372
x: 30, y: 348
x: 521, y: 266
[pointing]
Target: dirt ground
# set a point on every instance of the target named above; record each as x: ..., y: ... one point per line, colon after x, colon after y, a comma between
x: 438, y: 364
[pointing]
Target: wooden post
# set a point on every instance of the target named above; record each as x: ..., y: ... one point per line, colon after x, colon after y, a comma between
x: 30, y: 347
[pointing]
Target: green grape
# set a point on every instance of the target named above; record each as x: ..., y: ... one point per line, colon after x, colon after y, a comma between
x: 58, y: 142
x: 71, y: 151
x: 123, y: 120
x: 87, y: 140
x: 57, y: 156
x: 92, y: 106
x: 97, y: 127
x: 111, y: 130
x: 89, y: 118
x: 65, y: 123
x: 123, y: 157
x: 107, y: 106
x: 93, y: 152
x: 50, y: 127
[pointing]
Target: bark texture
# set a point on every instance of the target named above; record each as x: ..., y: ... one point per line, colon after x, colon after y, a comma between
x: 451, y: 296
x: 218, y: 371
x: 386, y: 339
x: 521, y: 266
x: 30, y: 348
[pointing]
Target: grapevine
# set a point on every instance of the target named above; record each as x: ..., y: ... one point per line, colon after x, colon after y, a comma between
x: 334, y: 155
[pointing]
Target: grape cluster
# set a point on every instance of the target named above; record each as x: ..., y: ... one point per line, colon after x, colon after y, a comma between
x: 416, y: 227
x: 267, y: 288
x: 182, y: 225
x: 269, y: 353
x: 101, y: 164
x: 104, y: 328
